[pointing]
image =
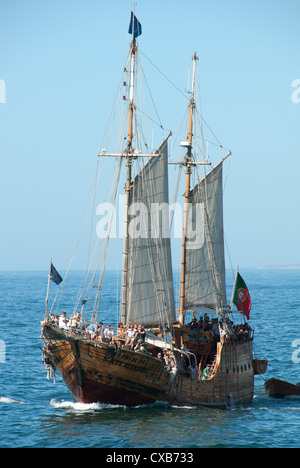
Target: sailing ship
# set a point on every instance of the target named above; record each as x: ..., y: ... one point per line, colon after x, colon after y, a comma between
x: 205, y: 361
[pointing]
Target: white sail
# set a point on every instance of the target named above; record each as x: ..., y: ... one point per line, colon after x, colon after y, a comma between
x: 205, y: 264
x: 150, y: 294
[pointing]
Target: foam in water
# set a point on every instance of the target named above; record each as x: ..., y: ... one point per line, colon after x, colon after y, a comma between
x: 9, y: 401
x: 80, y: 407
x: 87, y: 407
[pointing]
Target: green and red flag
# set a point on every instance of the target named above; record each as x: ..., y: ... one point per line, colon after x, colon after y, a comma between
x: 241, y: 297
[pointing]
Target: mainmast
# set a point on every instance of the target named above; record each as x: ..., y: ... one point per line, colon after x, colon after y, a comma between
x: 188, y: 165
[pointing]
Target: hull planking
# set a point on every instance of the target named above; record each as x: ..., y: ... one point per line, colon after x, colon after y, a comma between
x: 98, y: 372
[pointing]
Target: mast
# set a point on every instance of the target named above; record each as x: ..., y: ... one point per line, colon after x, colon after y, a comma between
x: 188, y: 165
x: 129, y: 154
x: 134, y: 189
x: 48, y: 288
x: 129, y: 151
x: 234, y: 285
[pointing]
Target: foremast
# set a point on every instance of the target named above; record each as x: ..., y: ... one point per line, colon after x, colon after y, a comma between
x: 129, y: 158
x: 156, y: 278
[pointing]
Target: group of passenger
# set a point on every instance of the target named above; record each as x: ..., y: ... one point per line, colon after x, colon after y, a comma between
x: 205, y: 324
x: 207, y: 331
x: 242, y: 331
x: 65, y: 323
x: 131, y: 336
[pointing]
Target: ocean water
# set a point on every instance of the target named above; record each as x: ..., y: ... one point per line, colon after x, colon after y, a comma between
x: 36, y: 413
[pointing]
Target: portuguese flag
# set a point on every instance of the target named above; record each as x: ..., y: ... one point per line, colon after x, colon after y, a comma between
x: 241, y: 297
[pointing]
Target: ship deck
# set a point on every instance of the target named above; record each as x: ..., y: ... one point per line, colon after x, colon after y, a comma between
x: 111, y: 373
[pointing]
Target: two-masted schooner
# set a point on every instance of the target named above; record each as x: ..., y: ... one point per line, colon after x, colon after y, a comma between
x: 207, y: 361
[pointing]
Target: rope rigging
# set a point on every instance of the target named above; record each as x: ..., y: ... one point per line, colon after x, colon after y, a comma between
x: 116, y: 136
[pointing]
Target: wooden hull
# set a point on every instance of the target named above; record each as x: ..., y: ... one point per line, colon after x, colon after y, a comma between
x: 96, y: 372
x: 276, y: 388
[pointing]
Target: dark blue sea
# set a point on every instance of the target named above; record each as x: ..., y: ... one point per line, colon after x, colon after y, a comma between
x: 36, y: 413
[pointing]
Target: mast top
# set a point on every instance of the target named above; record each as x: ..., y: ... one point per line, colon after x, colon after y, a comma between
x: 135, y: 27
x: 194, y: 58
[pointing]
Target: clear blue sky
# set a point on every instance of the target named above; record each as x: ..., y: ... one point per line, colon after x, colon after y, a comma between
x: 62, y: 60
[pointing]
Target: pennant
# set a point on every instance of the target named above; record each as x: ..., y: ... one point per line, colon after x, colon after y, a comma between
x: 54, y: 275
x: 135, y: 26
x: 241, y: 297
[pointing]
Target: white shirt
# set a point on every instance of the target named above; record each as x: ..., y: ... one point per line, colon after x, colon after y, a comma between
x: 108, y: 333
x: 62, y: 323
x: 130, y: 333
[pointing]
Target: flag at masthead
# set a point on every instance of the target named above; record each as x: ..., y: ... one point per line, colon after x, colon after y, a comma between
x: 135, y: 26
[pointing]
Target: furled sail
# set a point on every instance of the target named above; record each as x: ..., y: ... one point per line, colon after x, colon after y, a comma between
x: 150, y: 294
x: 205, y: 263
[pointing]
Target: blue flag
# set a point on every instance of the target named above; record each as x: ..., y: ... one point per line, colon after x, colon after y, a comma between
x: 54, y: 275
x: 135, y: 26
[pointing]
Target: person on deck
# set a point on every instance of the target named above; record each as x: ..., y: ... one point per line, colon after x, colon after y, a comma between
x: 121, y: 331
x: 53, y: 319
x: 121, y: 334
x: 108, y: 334
x: 63, y: 321
x: 193, y: 371
x: 130, y: 335
x: 99, y: 333
x: 215, y: 327
x: 75, y: 320
x: 205, y: 374
x: 139, y: 336
x: 92, y: 329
